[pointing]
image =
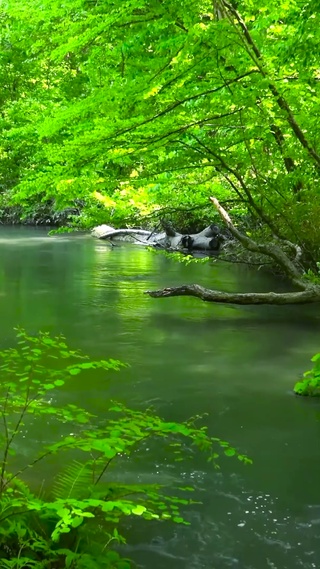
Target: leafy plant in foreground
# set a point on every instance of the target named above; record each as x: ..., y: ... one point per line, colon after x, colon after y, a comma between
x: 310, y: 384
x: 76, y: 520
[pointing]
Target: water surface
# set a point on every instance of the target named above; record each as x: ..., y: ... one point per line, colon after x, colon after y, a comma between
x: 236, y: 363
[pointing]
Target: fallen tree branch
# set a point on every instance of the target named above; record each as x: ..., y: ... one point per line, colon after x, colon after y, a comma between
x: 310, y: 293
x: 270, y: 250
x: 308, y: 296
x: 209, y: 239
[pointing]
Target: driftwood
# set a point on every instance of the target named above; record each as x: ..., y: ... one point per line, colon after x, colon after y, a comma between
x: 209, y: 239
x: 107, y: 232
x: 307, y: 293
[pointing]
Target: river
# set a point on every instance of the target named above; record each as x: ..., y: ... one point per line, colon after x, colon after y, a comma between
x: 238, y: 364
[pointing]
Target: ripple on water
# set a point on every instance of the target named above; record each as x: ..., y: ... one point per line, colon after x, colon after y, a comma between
x: 268, y: 535
x: 255, y: 532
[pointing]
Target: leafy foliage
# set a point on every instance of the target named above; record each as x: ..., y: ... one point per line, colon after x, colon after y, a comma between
x: 76, y: 523
x: 310, y: 384
x: 121, y: 110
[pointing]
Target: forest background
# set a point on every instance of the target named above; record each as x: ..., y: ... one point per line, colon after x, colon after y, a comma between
x: 123, y: 113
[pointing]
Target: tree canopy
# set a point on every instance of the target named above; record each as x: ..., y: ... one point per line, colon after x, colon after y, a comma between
x: 125, y: 108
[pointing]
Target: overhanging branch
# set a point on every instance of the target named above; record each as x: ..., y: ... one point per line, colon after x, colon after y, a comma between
x: 270, y: 250
x: 304, y: 297
x: 176, y: 104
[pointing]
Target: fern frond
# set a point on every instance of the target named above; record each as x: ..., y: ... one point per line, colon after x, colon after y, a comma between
x: 74, y: 481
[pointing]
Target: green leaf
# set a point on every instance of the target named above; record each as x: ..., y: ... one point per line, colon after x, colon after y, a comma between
x: 74, y: 371
x: 230, y: 452
x: 76, y: 522
x: 138, y: 510
x: 178, y: 520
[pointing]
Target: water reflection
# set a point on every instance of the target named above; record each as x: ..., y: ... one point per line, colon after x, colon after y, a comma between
x: 186, y: 357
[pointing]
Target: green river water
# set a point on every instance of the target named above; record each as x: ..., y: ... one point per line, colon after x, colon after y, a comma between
x: 186, y: 357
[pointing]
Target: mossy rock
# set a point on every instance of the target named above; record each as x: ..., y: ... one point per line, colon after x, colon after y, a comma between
x: 309, y: 387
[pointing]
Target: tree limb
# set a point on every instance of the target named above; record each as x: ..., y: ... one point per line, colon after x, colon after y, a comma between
x: 176, y: 104
x: 271, y: 250
x: 308, y: 296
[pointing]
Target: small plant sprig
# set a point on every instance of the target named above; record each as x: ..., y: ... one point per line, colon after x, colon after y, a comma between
x: 27, y: 376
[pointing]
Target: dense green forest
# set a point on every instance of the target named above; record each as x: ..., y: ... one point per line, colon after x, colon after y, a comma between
x: 114, y: 111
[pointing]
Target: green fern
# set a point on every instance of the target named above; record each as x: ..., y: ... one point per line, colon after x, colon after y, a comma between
x: 74, y: 481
